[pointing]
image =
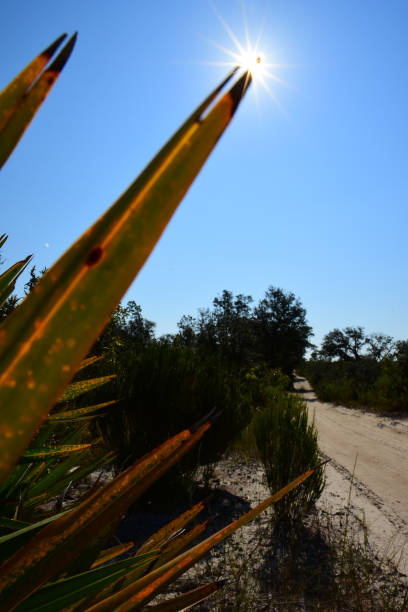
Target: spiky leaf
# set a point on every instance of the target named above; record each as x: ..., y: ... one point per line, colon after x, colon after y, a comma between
x: 42, y: 344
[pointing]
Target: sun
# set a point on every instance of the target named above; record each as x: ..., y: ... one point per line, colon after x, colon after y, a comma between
x: 252, y: 62
x: 249, y: 58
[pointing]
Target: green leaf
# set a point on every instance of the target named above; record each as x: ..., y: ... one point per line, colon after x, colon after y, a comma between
x: 76, y: 389
x: 12, y: 524
x: 39, y: 454
x: 44, y: 341
x: 66, y: 592
x: 9, y: 277
x: 59, y: 478
x: 62, y: 542
x: 111, y: 553
x: 15, y: 541
x: 14, y: 480
x: 90, y: 361
x: 68, y: 415
x: 46, y: 470
x: 21, y: 99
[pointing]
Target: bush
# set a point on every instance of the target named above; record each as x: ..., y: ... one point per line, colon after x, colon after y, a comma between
x: 390, y: 391
x: 365, y: 382
x: 287, y: 445
x: 263, y: 381
x: 164, y: 387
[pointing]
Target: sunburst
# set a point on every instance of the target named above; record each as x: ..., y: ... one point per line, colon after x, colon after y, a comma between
x: 249, y: 57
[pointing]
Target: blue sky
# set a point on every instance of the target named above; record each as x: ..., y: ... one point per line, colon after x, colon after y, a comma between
x: 312, y: 199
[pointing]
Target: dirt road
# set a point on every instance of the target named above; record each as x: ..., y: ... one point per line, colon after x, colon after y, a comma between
x: 378, y: 447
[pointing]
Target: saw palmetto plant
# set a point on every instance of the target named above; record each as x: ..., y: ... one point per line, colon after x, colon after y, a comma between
x: 56, y: 563
x: 60, y: 455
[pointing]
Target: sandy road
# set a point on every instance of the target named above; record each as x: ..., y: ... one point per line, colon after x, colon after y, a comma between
x: 378, y: 447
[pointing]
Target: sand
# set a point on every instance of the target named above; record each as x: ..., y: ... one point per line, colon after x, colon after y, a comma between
x: 375, y: 449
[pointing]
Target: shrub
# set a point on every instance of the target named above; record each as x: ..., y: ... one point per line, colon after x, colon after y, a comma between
x: 162, y: 387
x: 287, y: 444
x: 390, y: 392
x: 263, y: 382
x: 380, y: 385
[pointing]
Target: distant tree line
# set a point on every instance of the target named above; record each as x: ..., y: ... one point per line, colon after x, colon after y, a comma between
x: 356, y: 369
x: 275, y: 331
x: 352, y: 344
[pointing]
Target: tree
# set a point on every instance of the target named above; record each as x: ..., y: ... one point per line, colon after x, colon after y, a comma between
x: 232, y: 319
x: 346, y: 344
x: 275, y: 332
x: 126, y: 327
x: 281, y: 329
x: 401, y: 350
x: 380, y: 346
x: 187, y: 331
x: 138, y: 329
x: 226, y: 329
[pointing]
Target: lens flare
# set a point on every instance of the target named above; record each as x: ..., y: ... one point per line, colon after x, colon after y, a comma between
x: 250, y: 58
x: 253, y: 62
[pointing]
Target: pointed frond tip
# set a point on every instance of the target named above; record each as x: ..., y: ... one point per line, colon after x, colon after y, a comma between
x: 62, y: 58
x: 21, y: 99
x: 133, y: 225
x: 237, y: 92
x: 49, y: 51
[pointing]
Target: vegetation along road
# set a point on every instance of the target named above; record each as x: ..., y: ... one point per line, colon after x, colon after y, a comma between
x: 378, y: 448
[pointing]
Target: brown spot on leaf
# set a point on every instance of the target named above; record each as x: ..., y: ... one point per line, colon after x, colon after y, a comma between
x: 94, y: 256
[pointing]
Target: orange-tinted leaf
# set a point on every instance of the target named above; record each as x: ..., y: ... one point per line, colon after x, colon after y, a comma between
x: 163, y: 534
x: 111, y: 553
x: 79, y: 412
x: 60, y: 543
x: 76, y: 389
x: 38, y: 454
x: 180, y: 543
x: 9, y: 277
x: 143, y: 590
x: 185, y: 601
x: 22, y: 98
x: 11, y: 96
x: 89, y: 361
x: 42, y: 343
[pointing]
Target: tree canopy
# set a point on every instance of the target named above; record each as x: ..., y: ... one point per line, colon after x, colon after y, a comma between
x: 274, y: 331
x: 352, y: 344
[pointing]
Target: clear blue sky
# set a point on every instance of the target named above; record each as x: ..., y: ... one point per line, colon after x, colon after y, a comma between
x: 313, y: 200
